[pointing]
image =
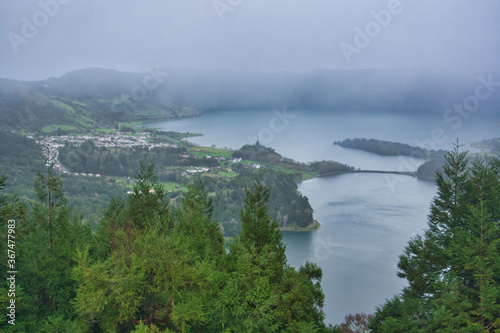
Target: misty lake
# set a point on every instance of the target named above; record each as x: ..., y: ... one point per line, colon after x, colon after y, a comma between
x: 366, y: 218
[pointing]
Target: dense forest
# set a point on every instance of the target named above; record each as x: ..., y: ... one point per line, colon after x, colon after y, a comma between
x: 286, y: 204
x: 389, y: 148
x: 150, y: 267
x: 123, y: 161
x: 428, y: 169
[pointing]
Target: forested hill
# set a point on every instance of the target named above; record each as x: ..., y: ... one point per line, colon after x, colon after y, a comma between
x: 84, y: 100
x: 389, y: 148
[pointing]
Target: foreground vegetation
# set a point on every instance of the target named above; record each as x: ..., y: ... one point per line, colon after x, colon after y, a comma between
x: 453, y: 269
x: 151, y: 267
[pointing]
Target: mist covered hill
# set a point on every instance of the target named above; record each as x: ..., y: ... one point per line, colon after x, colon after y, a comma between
x: 94, y: 94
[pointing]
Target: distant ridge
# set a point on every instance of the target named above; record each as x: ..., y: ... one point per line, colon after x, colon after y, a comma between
x: 100, y: 92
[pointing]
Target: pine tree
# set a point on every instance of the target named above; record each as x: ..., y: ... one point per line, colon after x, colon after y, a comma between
x: 453, y: 269
x: 12, y: 216
x: 148, y: 203
x: 51, y: 210
x: 51, y: 234
x: 152, y: 271
x: 259, y: 231
x: 194, y: 222
x: 258, y: 291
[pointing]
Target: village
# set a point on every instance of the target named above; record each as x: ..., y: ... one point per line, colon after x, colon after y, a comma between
x: 108, y: 140
x: 51, y: 145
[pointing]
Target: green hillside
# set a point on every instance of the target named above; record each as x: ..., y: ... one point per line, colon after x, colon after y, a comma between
x: 81, y: 101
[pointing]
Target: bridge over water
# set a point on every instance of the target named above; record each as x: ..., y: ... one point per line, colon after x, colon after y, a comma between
x: 405, y: 173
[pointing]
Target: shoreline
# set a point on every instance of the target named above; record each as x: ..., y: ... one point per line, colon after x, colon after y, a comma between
x: 315, y: 225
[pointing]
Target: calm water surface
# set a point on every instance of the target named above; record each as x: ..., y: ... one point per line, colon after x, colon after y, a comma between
x: 366, y: 218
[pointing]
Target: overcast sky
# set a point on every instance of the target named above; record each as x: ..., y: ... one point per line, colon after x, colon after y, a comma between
x: 48, y: 38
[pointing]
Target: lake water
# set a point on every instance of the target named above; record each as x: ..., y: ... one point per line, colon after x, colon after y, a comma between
x: 367, y: 219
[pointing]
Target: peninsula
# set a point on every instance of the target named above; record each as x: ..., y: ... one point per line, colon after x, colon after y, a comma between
x: 388, y: 148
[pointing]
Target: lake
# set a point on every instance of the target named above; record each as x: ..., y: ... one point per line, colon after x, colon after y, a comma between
x: 367, y: 219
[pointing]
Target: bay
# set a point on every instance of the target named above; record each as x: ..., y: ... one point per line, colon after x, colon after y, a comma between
x: 367, y: 219
x: 365, y: 225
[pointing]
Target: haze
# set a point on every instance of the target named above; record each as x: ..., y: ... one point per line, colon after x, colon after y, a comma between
x: 249, y: 35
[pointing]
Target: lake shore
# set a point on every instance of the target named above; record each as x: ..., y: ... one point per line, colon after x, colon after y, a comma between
x: 315, y: 225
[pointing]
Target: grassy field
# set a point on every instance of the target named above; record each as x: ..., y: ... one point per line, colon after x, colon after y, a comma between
x: 229, y: 174
x: 62, y: 105
x: 132, y: 124
x: 106, y: 130
x: 51, y: 128
x: 201, y: 152
x: 171, y: 186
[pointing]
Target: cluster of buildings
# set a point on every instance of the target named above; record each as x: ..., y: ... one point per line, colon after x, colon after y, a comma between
x: 52, y: 144
x: 52, y: 156
x: 222, y: 158
x: 198, y: 170
x: 108, y: 140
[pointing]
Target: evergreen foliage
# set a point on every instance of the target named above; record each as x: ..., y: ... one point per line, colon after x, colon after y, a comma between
x: 259, y: 231
x: 257, y: 291
x: 453, y: 270
x: 168, y: 270
x: 47, y: 235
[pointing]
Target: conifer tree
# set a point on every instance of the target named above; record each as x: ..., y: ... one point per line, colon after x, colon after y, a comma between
x: 51, y: 233
x: 259, y: 231
x: 51, y: 210
x: 453, y: 269
x: 148, y: 203
x: 150, y: 274
x: 194, y: 221
x: 258, y: 291
x: 12, y: 213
